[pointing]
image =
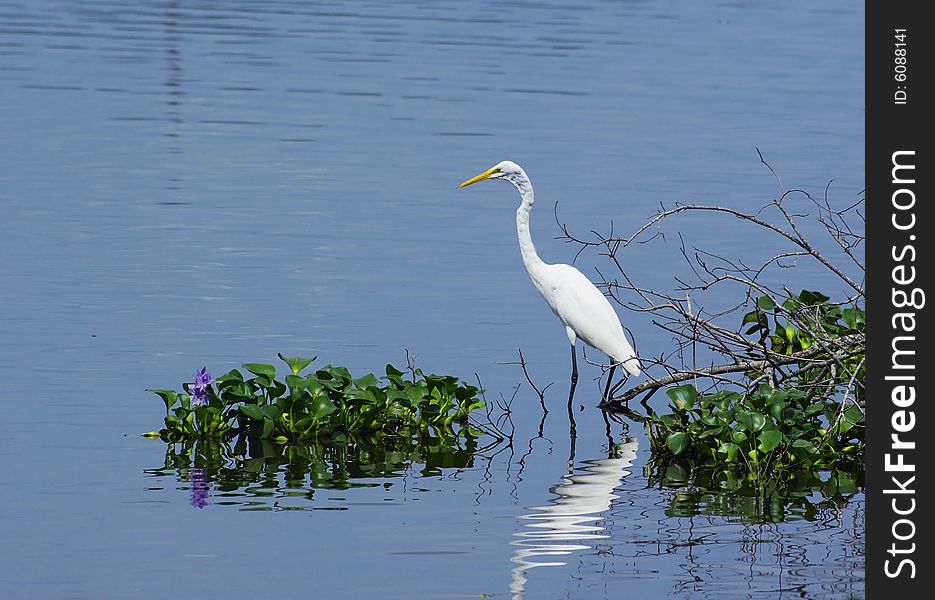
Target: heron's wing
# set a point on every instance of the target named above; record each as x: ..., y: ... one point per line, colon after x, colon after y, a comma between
x: 581, y: 306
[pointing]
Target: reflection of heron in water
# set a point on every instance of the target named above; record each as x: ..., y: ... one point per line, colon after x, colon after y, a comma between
x: 569, y: 521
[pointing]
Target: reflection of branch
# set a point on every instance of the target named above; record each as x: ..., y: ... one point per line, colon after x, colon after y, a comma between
x: 545, y: 411
x: 852, y: 345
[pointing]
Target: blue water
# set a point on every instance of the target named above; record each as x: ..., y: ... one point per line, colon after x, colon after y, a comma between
x: 188, y: 184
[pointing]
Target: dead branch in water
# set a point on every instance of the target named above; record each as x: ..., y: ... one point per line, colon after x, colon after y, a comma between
x: 709, y: 345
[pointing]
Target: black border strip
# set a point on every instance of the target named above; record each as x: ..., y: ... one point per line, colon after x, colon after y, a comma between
x: 900, y: 110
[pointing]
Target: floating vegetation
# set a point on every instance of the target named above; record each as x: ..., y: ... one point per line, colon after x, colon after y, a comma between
x: 325, y: 404
x: 767, y: 456
x: 793, y: 423
x: 769, y: 428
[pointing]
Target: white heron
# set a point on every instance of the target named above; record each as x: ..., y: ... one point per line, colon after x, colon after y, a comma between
x: 583, y: 309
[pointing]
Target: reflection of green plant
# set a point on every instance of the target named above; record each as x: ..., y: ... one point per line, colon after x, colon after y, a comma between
x: 324, y: 403
x: 339, y: 463
x: 792, y: 421
x: 718, y: 491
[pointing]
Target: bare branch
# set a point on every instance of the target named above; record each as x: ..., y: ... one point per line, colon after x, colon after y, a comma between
x: 702, y: 329
x: 746, y: 366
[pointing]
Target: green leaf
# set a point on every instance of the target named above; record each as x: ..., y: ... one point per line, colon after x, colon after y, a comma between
x: 466, y: 392
x: 769, y: 439
x: 271, y: 411
x: 322, y: 406
x: 276, y: 389
x: 416, y: 393
x: 730, y: 449
x: 368, y: 380
x: 297, y: 385
x: 168, y: 396
x: 237, y: 392
x: 261, y: 369
x: 393, y: 395
x: 230, y: 378
x: 251, y: 411
x: 765, y: 303
x: 297, y: 363
x: 712, y: 432
x: 810, y: 297
x: 367, y: 396
x: 677, y: 442
x: 854, y: 317
x: 751, y: 420
x: 683, y: 396
x: 813, y: 409
x: 340, y: 373
x: 776, y: 410
x: 314, y: 387
x: 805, y: 444
x: 851, y: 417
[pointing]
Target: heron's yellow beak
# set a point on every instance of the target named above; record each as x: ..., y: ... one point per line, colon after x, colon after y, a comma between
x: 480, y: 177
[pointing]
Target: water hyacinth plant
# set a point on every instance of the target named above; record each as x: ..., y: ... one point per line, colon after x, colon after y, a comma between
x: 781, y: 425
x: 323, y: 403
x: 199, y: 387
x: 768, y: 430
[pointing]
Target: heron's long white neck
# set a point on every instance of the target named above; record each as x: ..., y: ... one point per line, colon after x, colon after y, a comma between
x: 530, y: 259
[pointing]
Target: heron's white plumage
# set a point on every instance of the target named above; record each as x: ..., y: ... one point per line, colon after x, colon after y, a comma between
x: 586, y: 311
x: 583, y: 309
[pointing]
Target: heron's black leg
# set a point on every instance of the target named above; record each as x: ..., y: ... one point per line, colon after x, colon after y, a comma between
x: 571, y: 396
x: 610, y: 378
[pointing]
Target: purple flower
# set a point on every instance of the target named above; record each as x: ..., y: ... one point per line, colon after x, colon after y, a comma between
x: 199, y: 397
x: 199, y: 387
x: 198, y: 487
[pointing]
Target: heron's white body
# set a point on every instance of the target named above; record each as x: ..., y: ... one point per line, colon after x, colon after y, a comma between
x: 583, y: 309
